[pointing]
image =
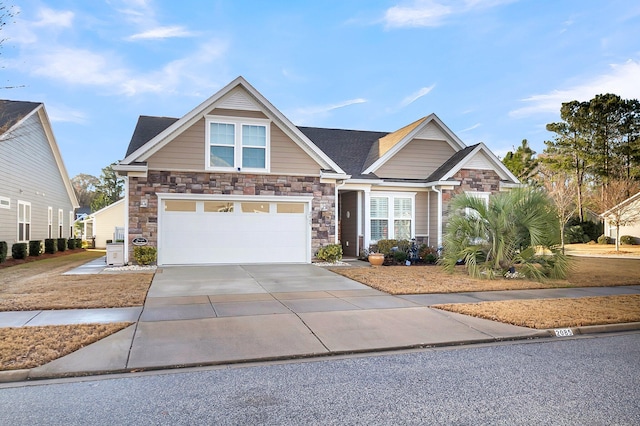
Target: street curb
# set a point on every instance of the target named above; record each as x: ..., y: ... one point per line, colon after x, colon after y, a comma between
x: 9, y: 376
x: 608, y: 328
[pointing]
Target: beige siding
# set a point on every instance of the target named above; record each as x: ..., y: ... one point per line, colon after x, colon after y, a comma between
x: 188, y: 150
x: 433, y: 219
x: 417, y: 160
x: 185, y: 152
x: 287, y: 157
x: 422, y: 226
x: 237, y: 113
x: 106, y: 221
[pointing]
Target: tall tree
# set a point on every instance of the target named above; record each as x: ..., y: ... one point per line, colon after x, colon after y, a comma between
x: 108, y: 190
x: 629, y: 147
x: 85, y: 187
x: 522, y: 162
x: 570, y: 149
x: 562, y: 190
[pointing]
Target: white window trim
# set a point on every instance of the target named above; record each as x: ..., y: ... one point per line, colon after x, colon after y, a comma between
x: 391, y: 196
x: 237, y: 123
x: 50, y: 222
x: 23, y: 222
x: 71, y: 216
x: 483, y: 195
x: 5, y: 202
x: 60, y: 223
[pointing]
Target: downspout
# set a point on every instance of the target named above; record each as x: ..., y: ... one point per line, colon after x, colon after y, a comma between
x: 126, y: 219
x: 335, y: 231
x: 439, y: 192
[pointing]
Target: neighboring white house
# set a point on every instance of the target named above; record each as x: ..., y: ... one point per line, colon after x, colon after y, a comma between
x: 37, y: 200
x: 105, y: 224
x: 628, y: 213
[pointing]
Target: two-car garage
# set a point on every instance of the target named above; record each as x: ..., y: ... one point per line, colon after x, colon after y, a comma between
x: 233, y: 229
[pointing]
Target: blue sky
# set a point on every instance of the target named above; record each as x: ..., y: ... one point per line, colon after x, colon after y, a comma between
x: 494, y: 71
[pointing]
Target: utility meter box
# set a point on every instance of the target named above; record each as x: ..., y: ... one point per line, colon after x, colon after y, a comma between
x: 115, y: 254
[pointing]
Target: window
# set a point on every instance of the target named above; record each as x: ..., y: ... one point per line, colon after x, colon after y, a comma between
x: 218, y: 207
x: 401, y: 217
x: 50, y: 223
x: 179, y: 206
x: 238, y: 144
x: 5, y: 203
x: 480, y: 195
x: 24, y: 221
x: 60, y: 222
x: 290, y: 208
x: 254, y: 207
x: 71, y: 233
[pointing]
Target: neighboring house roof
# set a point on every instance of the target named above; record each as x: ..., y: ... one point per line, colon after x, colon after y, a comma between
x: 14, y: 113
x: 142, y: 153
x: 615, y: 208
x: 106, y: 208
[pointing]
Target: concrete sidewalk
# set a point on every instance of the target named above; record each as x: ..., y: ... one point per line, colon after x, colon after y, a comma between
x: 231, y: 313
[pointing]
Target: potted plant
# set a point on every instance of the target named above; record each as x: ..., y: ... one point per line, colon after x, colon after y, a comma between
x: 375, y: 258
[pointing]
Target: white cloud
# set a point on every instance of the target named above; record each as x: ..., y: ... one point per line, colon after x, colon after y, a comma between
x: 417, y: 95
x: 161, y: 33
x: 433, y: 13
x: 468, y: 129
x: 301, y: 116
x: 622, y: 79
x: 61, y: 113
x: 54, y: 18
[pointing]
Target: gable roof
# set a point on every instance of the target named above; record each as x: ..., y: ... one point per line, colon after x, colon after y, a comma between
x: 633, y: 198
x: 107, y: 208
x: 14, y: 113
x: 143, y: 152
x: 348, y: 148
x: 147, y: 128
x: 461, y: 158
x: 447, y: 166
x: 388, y: 146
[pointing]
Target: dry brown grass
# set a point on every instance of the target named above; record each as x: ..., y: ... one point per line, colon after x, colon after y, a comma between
x: 28, y: 347
x: 41, y: 285
x: 603, y: 249
x: 555, y: 313
x: 586, y: 272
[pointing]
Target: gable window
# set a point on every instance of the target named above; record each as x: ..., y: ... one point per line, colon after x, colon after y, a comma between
x: 50, y: 223
x: 24, y: 221
x: 5, y: 203
x: 392, y: 216
x: 241, y: 144
x: 60, y: 222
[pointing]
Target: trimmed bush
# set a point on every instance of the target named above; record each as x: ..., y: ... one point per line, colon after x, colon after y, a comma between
x: 603, y: 239
x: 3, y: 251
x: 71, y: 243
x: 400, y: 256
x: 144, y: 255
x: 35, y: 248
x: 78, y: 243
x: 627, y: 239
x: 330, y: 253
x: 50, y: 245
x: 385, y: 246
x: 62, y: 244
x: 19, y: 250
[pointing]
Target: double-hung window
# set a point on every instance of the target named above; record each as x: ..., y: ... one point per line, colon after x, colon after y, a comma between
x: 60, y: 222
x: 237, y: 144
x: 50, y: 222
x: 24, y: 221
x: 392, y: 216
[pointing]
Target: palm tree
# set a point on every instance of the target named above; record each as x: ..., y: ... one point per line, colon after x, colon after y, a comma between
x: 516, y: 229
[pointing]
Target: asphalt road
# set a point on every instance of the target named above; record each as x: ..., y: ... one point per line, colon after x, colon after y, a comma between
x: 562, y: 381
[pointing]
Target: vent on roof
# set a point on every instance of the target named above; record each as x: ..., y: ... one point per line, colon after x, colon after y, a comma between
x: 238, y: 100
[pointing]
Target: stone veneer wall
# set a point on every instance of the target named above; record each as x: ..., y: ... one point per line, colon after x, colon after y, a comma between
x: 143, y: 221
x: 470, y: 180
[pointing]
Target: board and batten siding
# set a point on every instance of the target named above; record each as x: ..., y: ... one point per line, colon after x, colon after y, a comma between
x: 29, y: 172
x: 188, y: 150
x: 422, y: 224
x: 417, y: 160
x: 433, y: 219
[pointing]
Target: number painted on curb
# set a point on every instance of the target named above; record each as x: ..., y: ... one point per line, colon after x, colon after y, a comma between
x: 563, y: 332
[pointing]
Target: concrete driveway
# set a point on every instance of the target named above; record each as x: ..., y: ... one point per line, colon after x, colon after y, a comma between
x: 196, y: 315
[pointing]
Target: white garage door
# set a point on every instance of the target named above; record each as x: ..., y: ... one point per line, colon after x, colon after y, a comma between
x: 210, y: 231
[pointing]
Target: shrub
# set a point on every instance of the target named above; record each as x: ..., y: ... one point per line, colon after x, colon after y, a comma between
x: 71, y: 243
x: 627, y: 239
x: 3, y: 251
x: 19, y: 250
x: 330, y: 253
x: 591, y: 229
x: 78, y: 243
x: 603, y: 239
x: 575, y: 235
x: 400, y: 256
x: 385, y: 246
x: 62, y: 244
x: 35, y: 247
x: 50, y: 245
x: 144, y: 255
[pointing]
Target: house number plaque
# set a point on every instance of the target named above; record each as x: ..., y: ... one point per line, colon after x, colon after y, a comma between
x: 563, y: 332
x: 140, y: 241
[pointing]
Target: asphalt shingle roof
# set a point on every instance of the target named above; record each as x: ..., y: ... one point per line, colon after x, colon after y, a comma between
x: 146, y: 129
x: 456, y: 158
x: 13, y: 111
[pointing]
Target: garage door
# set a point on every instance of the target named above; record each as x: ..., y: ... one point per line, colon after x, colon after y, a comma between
x: 210, y: 232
